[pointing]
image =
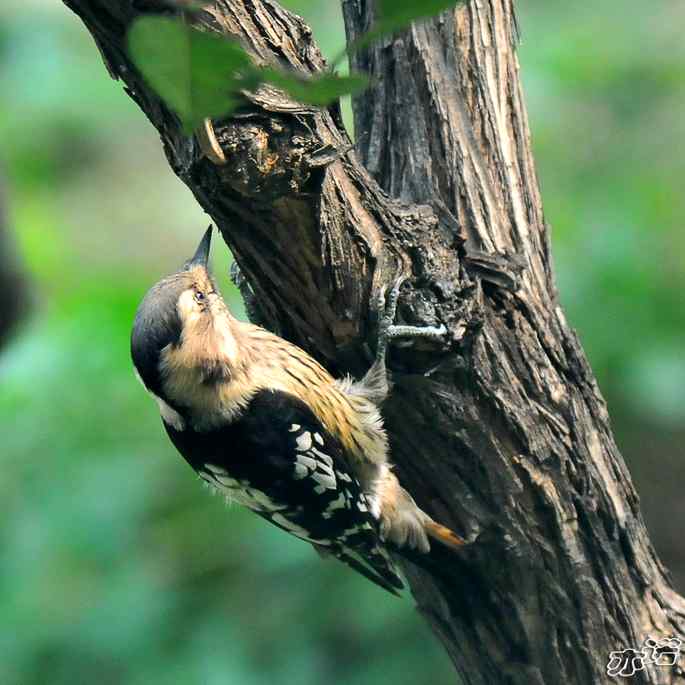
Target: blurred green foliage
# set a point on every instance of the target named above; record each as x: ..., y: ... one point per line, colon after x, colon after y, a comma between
x: 609, y: 87
x: 118, y: 567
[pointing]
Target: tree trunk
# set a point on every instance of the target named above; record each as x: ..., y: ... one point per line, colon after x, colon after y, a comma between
x: 501, y: 433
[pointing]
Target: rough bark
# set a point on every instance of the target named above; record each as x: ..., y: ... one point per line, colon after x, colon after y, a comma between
x: 501, y: 433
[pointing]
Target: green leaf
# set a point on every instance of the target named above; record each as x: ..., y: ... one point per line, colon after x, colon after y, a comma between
x: 320, y: 90
x: 198, y: 74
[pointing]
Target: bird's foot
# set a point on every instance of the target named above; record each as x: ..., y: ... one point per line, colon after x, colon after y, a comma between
x: 388, y: 329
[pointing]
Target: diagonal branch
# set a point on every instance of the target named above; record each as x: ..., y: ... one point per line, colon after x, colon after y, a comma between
x: 504, y: 435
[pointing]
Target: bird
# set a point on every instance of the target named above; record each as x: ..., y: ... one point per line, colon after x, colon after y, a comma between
x: 264, y: 423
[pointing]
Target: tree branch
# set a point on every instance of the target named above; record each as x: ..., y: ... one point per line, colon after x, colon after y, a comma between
x: 503, y: 435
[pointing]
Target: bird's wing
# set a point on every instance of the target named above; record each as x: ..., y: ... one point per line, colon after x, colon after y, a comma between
x: 279, y: 460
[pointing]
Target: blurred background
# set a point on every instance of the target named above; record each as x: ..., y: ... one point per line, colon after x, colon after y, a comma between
x: 117, y: 567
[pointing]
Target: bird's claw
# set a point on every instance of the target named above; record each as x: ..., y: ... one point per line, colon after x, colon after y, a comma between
x: 388, y: 329
x: 388, y: 300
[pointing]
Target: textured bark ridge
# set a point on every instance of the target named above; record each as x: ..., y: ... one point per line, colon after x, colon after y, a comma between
x: 500, y: 433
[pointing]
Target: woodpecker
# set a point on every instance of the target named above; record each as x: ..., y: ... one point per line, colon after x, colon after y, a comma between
x: 264, y: 423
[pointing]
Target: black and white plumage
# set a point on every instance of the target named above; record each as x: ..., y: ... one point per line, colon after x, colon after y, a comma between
x: 280, y: 462
x: 262, y: 421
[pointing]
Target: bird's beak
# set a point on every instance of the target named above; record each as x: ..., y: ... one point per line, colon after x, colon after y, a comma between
x: 201, y: 255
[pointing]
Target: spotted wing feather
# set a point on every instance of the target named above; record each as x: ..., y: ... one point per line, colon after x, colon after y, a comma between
x: 278, y: 460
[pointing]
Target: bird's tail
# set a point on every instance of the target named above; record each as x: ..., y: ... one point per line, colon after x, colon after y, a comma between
x: 401, y: 521
x: 444, y: 535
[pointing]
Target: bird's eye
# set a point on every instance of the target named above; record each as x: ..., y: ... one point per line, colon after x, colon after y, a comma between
x: 199, y: 296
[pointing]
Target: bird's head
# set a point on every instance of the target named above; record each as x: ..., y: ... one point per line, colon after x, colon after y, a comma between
x: 183, y: 333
